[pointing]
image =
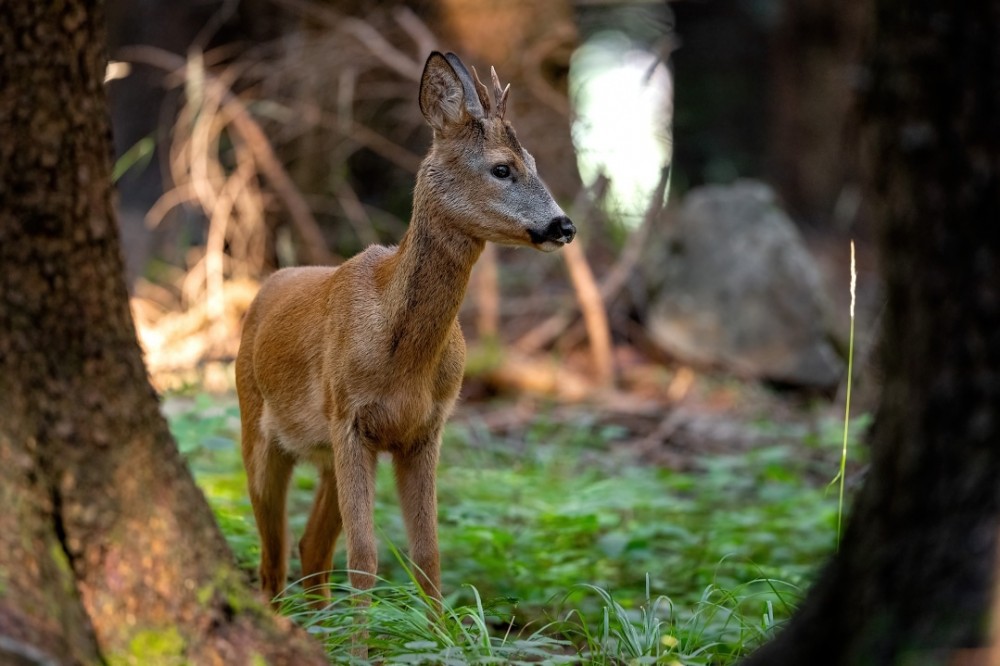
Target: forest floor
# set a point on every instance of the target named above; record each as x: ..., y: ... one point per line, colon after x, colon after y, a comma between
x: 706, y: 515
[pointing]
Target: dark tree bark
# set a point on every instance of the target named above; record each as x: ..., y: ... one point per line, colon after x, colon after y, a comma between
x: 719, y: 111
x: 814, y: 56
x: 765, y: 90
x: 913, y: 580
x: 108, y: 551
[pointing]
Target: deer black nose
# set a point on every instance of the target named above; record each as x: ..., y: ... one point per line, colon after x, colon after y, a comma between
x: 561, y: 229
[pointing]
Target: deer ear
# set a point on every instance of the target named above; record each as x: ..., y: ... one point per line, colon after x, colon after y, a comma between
x: 447, y: 92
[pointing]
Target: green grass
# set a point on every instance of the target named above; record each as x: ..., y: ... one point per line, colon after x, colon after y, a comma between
x: 555, y: 545
x: 842, y: 475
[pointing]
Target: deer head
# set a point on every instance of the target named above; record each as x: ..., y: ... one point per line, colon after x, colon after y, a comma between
x: 477, y: 176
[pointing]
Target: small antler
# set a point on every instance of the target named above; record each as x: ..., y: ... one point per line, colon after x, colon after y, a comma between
x: 481, y: 91
x: 499, y: 94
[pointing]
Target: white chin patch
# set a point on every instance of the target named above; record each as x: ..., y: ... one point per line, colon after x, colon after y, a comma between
x: 550, y: 246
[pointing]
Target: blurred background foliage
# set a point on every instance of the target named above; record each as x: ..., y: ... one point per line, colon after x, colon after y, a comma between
x: 253, y: 134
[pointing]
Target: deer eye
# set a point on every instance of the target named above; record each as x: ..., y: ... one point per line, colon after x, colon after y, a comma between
x: 501, y: 171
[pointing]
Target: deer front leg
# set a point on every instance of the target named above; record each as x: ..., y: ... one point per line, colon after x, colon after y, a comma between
x: 355, y: 462
x: 416, y: 481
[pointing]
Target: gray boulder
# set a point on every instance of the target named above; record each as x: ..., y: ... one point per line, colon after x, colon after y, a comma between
x: 738, y: 289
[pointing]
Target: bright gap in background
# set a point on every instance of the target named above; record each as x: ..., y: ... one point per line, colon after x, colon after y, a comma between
x: 622, y: 100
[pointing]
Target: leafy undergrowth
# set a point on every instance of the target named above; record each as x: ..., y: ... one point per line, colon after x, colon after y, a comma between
x: 555, y: 548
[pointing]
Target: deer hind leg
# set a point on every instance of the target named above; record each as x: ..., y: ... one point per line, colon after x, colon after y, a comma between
x: 320, y: 537
x: 268, y: 472
x: 416, y: 473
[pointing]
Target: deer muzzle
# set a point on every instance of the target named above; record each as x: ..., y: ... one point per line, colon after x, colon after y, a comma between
x: 559, y: 230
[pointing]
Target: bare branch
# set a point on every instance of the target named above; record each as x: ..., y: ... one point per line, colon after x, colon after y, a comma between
x: 364, y: 33
x: 355, y: 212
x: 271, y: 167
x: 418, y: 31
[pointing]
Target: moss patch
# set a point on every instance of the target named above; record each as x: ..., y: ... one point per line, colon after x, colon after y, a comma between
x: 153, y: 647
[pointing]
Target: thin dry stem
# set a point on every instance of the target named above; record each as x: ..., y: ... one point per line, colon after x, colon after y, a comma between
x: 595, y: 317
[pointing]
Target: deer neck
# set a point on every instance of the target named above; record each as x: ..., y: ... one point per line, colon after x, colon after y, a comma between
x: 425, y: 285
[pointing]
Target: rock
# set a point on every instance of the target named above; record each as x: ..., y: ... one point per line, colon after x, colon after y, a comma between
x: 740, y: 290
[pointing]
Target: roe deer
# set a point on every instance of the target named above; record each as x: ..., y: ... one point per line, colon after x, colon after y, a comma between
x: 338, y: 364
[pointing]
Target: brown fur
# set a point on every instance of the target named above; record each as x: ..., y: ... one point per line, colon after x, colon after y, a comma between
x: 339, y: 364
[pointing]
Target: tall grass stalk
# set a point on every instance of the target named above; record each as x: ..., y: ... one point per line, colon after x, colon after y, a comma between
x: 847, y: 403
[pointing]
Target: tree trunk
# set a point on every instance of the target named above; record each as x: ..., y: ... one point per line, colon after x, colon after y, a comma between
x: 719, y: 112
x: 814, y: 54
x: 108, y: 551
x: 913, y: 580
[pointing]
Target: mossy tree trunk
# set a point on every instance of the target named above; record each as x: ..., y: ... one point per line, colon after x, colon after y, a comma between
x: 108, y: 551
x: 914, y: 578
